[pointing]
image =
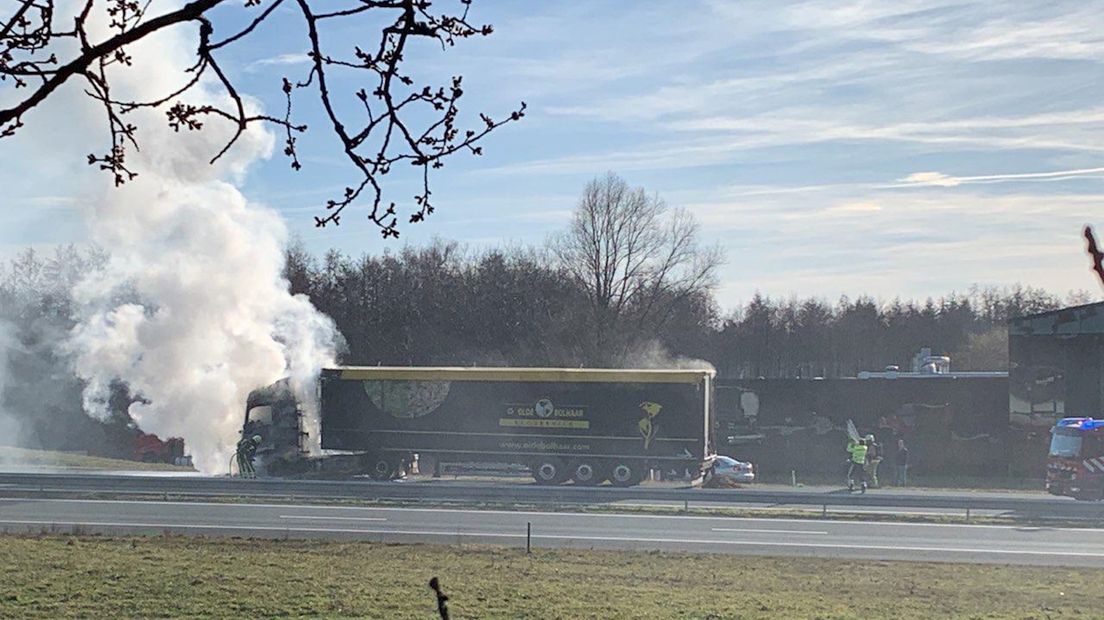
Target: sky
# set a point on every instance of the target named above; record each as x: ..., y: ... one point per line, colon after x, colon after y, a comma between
x: 892, y: 149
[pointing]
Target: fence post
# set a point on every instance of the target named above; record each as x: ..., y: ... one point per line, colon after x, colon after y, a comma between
x: 528, y: 537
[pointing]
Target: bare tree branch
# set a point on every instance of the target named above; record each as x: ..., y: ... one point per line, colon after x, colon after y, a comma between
x: 1095, y: 254
x: 393, y: 130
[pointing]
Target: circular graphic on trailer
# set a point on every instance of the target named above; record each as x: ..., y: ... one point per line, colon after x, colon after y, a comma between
x: 544, y: 408
x: 407, y: 399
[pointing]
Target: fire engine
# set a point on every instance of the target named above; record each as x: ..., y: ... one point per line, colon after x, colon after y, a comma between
x: 1075, y: 466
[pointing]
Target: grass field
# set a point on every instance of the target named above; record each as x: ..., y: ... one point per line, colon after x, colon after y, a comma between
x: 70, y: 577
x: 68, y: 460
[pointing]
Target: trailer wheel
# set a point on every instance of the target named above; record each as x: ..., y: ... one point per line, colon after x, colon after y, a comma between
x: 586, y: 473
x: 548, y: 471
x: 626, y: 474
x: 382, y: 468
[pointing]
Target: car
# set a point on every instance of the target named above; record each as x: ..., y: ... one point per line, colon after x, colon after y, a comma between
x: 728, y: 469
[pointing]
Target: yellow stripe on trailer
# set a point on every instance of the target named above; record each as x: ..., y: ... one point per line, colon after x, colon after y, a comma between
x: 544, y: 375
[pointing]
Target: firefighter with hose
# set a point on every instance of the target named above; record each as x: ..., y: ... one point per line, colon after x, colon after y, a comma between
x: 247, y: 451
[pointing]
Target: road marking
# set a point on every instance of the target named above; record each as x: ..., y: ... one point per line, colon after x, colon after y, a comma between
x: 565, y: 537
x: 333, y: 518
x: 1085, y: 530
x: 754, y: 530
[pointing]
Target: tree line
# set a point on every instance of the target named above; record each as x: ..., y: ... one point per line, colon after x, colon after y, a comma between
x: 443, y: 304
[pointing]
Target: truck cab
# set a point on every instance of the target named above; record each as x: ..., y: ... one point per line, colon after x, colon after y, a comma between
x: 274, y: 414
x: 1075, y: 463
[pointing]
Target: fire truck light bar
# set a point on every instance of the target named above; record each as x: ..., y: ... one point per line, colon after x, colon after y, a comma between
x: 1085, y: 424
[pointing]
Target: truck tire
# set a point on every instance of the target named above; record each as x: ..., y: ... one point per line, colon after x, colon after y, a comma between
x: 626, y: 473
x: 548, y: 471
x: 587, y: 473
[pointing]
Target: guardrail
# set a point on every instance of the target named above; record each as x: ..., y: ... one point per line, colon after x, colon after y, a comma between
x: 21, y: 484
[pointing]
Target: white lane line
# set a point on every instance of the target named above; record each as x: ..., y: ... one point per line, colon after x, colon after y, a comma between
x: 691, y: 541
x: 333, y: 518
x: 764, y: 531
x: 1083, y: 530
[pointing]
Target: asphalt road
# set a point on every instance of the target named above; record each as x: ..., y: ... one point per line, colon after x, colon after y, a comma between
x: 815, y: 499
x: 782, y: 537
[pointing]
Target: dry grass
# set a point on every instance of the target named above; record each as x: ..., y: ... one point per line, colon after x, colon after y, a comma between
x: 69, y: 577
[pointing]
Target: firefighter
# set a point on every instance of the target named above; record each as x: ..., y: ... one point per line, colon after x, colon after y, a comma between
x: 247, y: 451
x: 857, y: 450
x: 873, y: 459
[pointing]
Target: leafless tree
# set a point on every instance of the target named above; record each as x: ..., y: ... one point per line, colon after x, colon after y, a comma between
x: 636, y: 259
x: 41, y: 49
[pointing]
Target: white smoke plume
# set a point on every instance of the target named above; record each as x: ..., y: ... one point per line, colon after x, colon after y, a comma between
x: 191, y: 311
x: 9, y: 425
x: 652, y: 354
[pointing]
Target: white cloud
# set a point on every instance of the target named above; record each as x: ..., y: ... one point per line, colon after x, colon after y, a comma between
x: 854, y: 208
x: 942, y: 180
x: 282, y: 60
x: 931, y: 178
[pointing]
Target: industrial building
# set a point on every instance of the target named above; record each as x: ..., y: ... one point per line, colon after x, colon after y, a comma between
x: 1056, y: 366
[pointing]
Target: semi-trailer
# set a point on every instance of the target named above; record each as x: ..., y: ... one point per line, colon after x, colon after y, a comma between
x: 584, y: 425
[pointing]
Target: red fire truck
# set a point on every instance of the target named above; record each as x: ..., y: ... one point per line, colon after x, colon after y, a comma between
x: 1075, y: 466
x: 150, y: 448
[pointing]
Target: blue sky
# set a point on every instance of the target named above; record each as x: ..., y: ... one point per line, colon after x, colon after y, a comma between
x: 887, y: 148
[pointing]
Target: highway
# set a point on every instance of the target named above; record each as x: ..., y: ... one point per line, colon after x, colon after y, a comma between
x: 784, y: 537
x: 821, y: 499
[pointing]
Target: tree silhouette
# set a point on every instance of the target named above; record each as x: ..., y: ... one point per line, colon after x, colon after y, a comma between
x: 396, y: 121
x: 636, y: 260
x: 1095, y: 253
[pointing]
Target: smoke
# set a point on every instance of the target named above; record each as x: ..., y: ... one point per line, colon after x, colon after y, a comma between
x: 653, y: 355
x: 9, y: 424
x: 191, y: 310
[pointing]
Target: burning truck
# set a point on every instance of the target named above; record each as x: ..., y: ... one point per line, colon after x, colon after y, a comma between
x: 583, y: 425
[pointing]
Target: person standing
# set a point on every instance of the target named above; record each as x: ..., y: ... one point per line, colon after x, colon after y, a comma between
x: 857, y: 451
x: 873, y: 459
x: 247, y: 451
x: 901, y: 462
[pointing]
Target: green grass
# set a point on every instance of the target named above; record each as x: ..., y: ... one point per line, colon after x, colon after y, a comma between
x: 69, y: 577
x: 72, y: 460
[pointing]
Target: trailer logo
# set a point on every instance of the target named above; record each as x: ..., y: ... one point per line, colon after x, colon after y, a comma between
x: 544, y: 414
x: 648, y: 428
x: 544, y: 408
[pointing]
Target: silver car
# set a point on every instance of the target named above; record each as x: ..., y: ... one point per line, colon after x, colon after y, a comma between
x: 729, y: 469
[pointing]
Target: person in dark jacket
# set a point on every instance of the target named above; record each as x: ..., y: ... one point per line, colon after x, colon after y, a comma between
x: 901, y: 462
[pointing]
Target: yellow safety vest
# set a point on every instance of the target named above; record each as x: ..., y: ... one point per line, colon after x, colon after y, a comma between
x: 858, y: 453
